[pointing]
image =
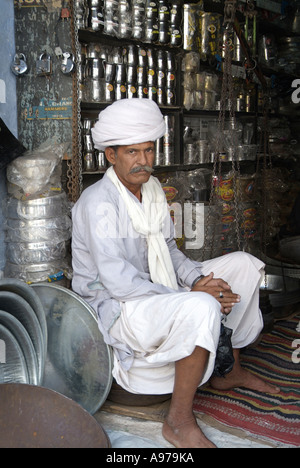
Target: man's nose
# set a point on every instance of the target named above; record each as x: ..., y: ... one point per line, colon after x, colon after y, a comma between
x: 143, y: 158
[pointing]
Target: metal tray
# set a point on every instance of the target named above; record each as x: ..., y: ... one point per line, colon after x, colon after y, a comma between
x: 14, y: 368
x: 35, y: 417
x: 21, y: 310
x: 78, y: 362
x: 19, y: 332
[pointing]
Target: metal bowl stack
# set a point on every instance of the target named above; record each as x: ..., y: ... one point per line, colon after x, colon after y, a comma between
x: 23, y: 334
x: 38, y: 233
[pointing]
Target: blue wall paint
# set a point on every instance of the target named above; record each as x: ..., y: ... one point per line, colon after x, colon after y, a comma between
x: 8, y: 110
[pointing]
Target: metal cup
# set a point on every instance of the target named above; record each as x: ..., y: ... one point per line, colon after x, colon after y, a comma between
x: 142, y: 92
x: 161, y: 96
x: 121, y: 91
x: 141, y: 75
x: 120, y: 73
x: 131, y: 91
x: 131, y: 74
x: 161, y: 79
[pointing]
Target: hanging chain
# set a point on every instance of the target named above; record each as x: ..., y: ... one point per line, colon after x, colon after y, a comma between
x: 227, y: 98
x: 74, y: 174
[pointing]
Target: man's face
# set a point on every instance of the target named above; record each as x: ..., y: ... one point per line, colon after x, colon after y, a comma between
x: 129, y: 159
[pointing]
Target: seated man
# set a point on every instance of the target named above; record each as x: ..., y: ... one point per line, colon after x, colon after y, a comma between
x: 160, y: 311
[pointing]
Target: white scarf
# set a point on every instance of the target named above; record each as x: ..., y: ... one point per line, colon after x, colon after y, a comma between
x: 149, y: 223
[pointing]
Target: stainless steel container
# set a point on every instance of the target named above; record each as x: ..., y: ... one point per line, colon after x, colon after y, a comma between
x: 35, y: 252
x: 47, y: 207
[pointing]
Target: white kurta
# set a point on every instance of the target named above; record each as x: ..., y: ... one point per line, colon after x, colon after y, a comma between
x: 164, y: 329
x: 151, y: 326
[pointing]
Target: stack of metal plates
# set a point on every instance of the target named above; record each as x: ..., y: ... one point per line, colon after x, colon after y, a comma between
x: 23, y: 334
x: 49, y: 337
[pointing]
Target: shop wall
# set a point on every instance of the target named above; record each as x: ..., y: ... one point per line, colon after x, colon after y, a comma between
x: 44, y: 102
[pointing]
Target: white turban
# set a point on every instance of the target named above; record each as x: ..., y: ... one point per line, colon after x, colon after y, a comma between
x: 128, y: 122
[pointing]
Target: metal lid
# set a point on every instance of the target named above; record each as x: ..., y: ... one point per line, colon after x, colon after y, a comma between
x: 79, y: 362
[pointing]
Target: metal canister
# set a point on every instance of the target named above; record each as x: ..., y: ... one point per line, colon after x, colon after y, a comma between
x: 131, y: 91
x: 109, y: 92
x: 175, y: 36
x: 142, y: 92
x: 210, y: 33
x: 171, y: 97
x: 132, y: 55
x: 168, y: 140
x: 161, y: 96
x: 142, y: 57
x: 176, y: 15
x: 171, y: 80
x: 152, y: 93
x: 161, y: 60
x: 96, y: 19
x: 164, y: 35
x: 171, y: 61
x: 120, y: 91
x: 142, y: 76
x: 189, y: 154
x: 163, y: 12
x: 120, y: 73
x: 94, y: 68
x: 190, y: 26
x: 88, y: 143
x: 151, y: 31
x: 89, y: 161
x: 159, y: 152
x: 152, y: 77
x: 151, y: 8
x: 110, y: 72
x: 131, y: 74
x: 101, y: 160
x: 161, y: 79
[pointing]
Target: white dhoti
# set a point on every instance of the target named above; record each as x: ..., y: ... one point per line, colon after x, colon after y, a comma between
x: 166, y: 328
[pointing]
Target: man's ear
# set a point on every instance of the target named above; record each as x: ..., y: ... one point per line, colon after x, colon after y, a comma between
x: 110, y: 155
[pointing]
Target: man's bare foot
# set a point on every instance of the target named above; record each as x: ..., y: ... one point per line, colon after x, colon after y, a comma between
x: 185, y: 434
x: 242, y: 378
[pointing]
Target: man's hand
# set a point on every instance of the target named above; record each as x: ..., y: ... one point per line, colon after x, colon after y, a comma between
x: 220, y: 290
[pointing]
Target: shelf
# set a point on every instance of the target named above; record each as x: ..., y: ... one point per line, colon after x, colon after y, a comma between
x: 88, y: 35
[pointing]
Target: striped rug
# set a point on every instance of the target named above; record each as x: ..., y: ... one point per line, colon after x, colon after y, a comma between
x: 277, y: 359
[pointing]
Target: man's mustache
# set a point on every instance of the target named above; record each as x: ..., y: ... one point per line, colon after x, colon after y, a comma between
x: 138, y: 169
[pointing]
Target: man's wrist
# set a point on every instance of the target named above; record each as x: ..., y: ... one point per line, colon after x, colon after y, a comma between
x: 197, y: 279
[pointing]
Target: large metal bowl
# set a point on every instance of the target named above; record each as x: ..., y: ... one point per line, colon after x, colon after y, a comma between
x: 78, y: 363
x: 290, y: 248
x: 35, y: 417
x: 283, y: 291
x: 46, y: 207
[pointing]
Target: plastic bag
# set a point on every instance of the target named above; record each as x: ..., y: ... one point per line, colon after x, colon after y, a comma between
x: 38, y: 170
